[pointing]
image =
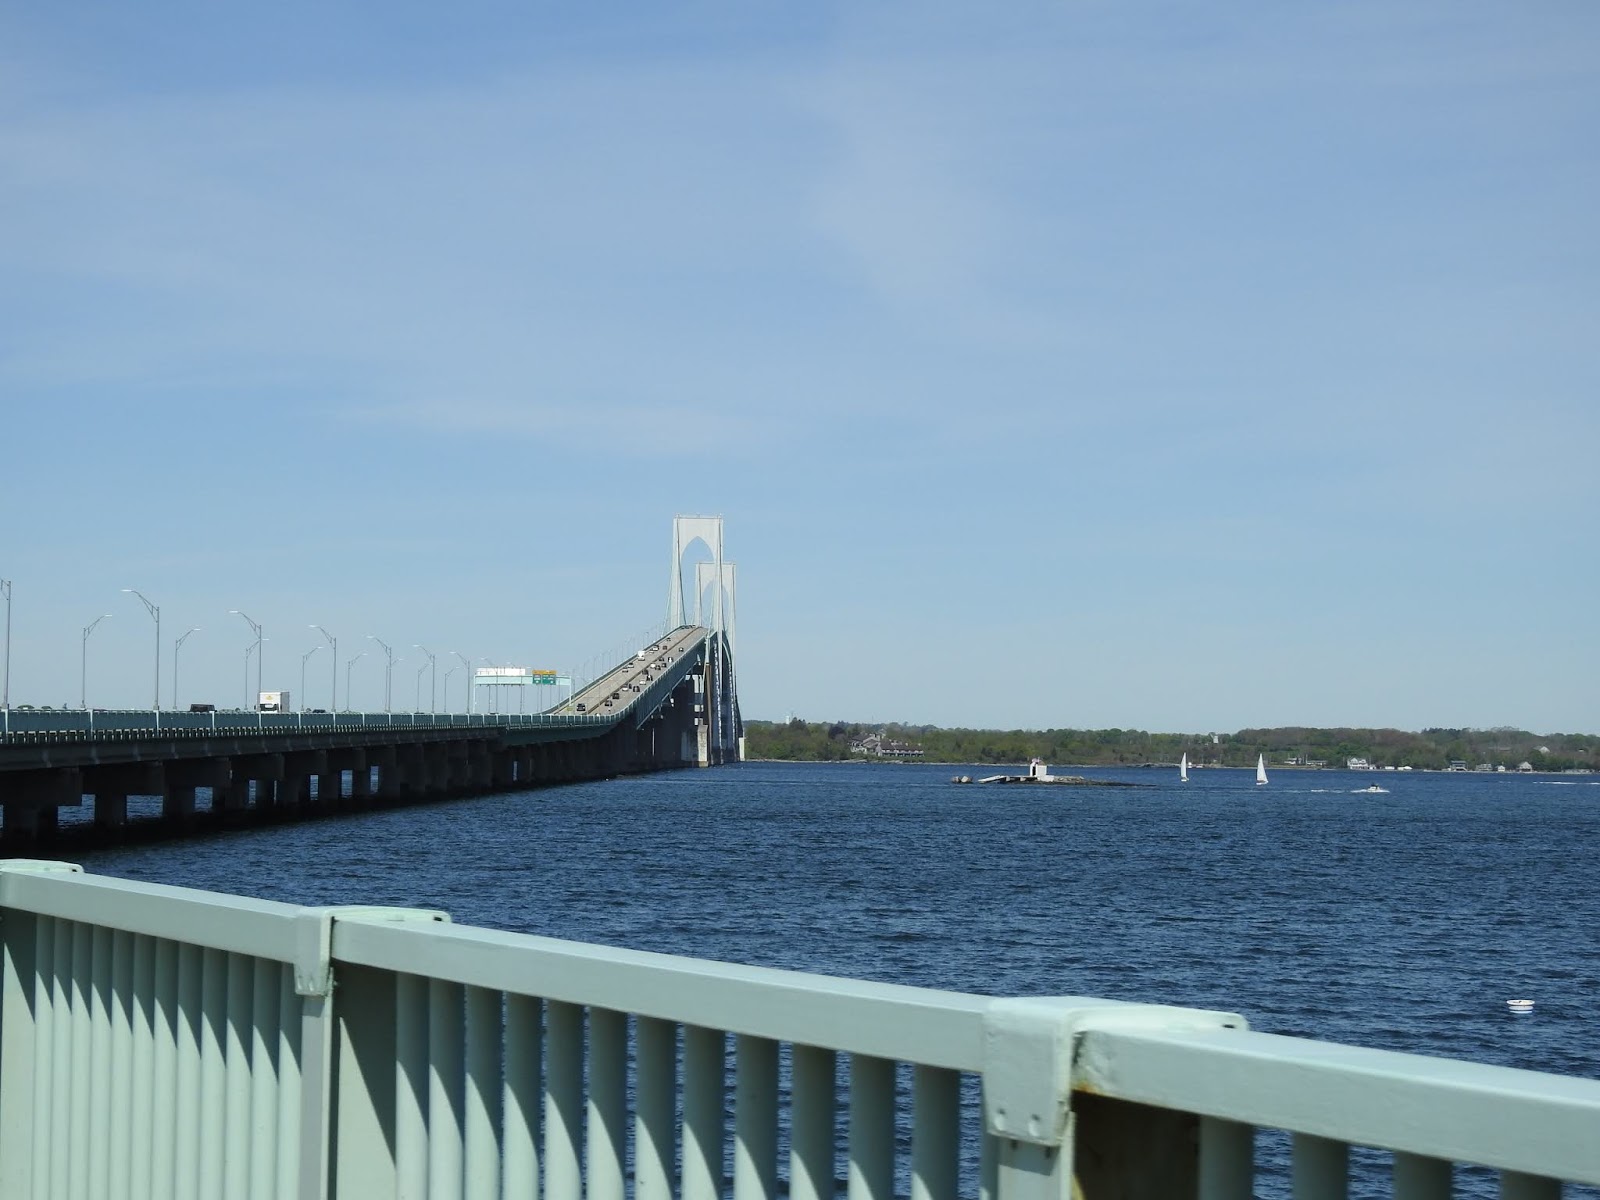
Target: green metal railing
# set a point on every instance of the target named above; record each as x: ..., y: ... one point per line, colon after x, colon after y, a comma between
x: 164, y: 1042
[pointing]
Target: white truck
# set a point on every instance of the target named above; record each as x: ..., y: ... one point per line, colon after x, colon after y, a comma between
x: 273, y: 702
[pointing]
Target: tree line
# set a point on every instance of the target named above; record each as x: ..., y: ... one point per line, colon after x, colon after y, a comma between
x: 797, y: 740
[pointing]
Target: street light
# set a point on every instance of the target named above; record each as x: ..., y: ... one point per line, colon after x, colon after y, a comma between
x: 433, y: 680
x: 83, y: 666
x: 304, y: 658
x: 471, y: 699
x: 388, y: 673
x: 333, y: 688
x: 248, y: 651
x: 420, y: 670
x: 155, y: 614
x: 259, y: 655
x: 449, y: 672
x: 347, y: 667
x: 176, y: 646
x: 5, y: 697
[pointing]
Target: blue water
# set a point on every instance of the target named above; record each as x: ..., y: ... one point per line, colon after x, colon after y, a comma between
x: 1401, y: 921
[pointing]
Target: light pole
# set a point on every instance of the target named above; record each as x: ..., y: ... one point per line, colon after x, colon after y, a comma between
x: 388, y: 672
x: 420, y: 670
x: 248, y: 651
x: 347, y: 667
x: 333, y: 688
x: 5, y: 697
x: 176, y: 646
x: 449, y: 671
x: 433, y: 680
x: 471, y: 699
x: 304, y: 658
x: 155, y: 615
x: 83, y: 666
x: 259, y: 655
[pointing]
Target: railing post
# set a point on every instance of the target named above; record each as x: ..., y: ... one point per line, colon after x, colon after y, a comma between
x: 360, y: 1100
x: 1047, y: 1145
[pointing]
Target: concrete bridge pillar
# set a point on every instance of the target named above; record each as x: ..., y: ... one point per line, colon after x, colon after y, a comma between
x: 110, y: 809
x: 410, y: 767
x: 437, y: 759
x: 28, y: 826
x: 32, y: 803
x: 177, y: 803
x: 264, y: 770
x: 181, y: 778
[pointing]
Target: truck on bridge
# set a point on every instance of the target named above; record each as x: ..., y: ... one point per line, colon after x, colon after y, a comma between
x: 273, y: 702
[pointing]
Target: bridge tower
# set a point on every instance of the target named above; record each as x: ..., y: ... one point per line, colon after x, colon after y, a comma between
x: 722, y: 736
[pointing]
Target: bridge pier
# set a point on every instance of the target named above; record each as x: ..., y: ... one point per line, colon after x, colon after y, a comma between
x: 31, y: 810
x: 182, y: 777
x: 111, y: 787
x: 110, y: 810
x: 354, y: 761
x: 264, y: 770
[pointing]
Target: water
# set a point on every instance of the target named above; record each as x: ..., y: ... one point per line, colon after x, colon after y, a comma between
x: 1401, y: 921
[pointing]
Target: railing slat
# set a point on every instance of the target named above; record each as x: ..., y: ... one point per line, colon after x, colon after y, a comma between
x: 213, y: 1068
x: 119, y: 1093
x: 871, y: 1150
x: 264, y: 1031
x: 1320, y: 1168
x: 755, y: 1119
x: 237, y: 1115
x: 42, y: 984
x: 521, y: 1107
x: 563, y: 1102
x: 165, y: 1016
x: 1514, y: 1185
x: 446, y: 1089
x: 1227, y: 1160
x: 655, y: 1118
x: 411, y: 1087
x: 56, y: 1181
x: 75, y: 1133
x: 811, y: 1129
x: 935, y: 1133
x: 98, y: 1148
x: 485, y: 1088
x: 185, y: 1168
x: 1419, y: 1178
x: 607, y: 1143
x: 704, y: 1051
x: 141, y: 1074
x: 291, y: 1012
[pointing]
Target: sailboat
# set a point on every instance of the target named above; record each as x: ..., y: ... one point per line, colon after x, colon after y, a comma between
x: 1183, y: 768
x: 1261, y: 769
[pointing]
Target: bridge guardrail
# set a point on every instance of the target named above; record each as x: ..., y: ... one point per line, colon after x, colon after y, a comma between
x: 372, y: 1052
x: 106, y: 725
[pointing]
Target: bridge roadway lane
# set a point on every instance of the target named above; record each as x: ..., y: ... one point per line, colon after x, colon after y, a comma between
x: 613, y: 690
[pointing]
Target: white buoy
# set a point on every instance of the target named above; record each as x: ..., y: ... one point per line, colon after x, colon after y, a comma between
x: 1520, y: 1006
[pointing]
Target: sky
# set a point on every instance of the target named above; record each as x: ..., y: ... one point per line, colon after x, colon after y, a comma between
x: 1141, y: 365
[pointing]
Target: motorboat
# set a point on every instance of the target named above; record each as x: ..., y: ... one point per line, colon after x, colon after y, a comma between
x: 1373, y: 790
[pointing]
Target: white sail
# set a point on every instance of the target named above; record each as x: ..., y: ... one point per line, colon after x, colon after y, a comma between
x: 1261, y: 768
x: 1183, y: 768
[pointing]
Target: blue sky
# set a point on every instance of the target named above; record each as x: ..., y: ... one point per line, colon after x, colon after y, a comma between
x: 1144, y: 365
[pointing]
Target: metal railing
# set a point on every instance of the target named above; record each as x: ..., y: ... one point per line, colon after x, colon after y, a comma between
x: 164, y: 1042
